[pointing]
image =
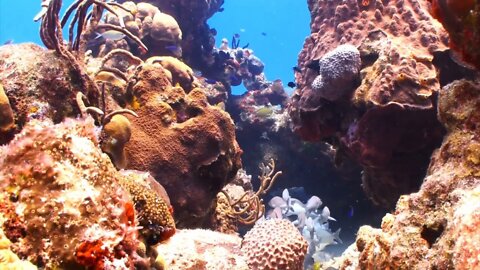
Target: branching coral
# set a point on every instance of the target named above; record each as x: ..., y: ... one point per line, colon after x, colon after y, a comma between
x: 249, y: 207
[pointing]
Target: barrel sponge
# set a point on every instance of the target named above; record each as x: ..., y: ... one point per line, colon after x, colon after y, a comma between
x: 338, y: 70
x: 154, y: 213
x: 274, y: 244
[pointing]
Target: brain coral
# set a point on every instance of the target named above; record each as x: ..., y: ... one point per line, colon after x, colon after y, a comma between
x: 274, y: 244
x: 73, y: 210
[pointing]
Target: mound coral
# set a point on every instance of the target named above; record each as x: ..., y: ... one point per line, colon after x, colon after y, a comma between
x: 274, y: 244
x: 338, y: 70
x: 192, y: 153
x: 73, y: 210
x: 148, y: 23
x: 202, y: 249
x: 397, y: 42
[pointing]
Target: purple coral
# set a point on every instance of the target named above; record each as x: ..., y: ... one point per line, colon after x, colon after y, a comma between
x: 337, y: 73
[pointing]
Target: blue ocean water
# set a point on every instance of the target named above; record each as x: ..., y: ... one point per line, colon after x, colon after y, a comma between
x: 274, y: 29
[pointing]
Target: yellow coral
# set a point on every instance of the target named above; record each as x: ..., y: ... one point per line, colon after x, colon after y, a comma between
x: 115, y: 135
x: 155, y: 215
x: 7, y: 121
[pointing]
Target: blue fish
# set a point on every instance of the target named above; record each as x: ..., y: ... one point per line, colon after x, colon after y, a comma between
x: 210, y: 81
x: 8, y: 42
x: 350, y: 211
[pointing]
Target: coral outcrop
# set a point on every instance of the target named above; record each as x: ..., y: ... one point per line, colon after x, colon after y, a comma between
x: 192, y: 151
x: 38, y: 83
x: 385, y: 117
x: 67, y: 198
x: 274, y: 244
x: 462, y: 21
x: 201, y: 250
x: 437, y: 227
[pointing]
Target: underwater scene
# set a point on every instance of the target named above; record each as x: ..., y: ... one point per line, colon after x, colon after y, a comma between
x: 240, y: 134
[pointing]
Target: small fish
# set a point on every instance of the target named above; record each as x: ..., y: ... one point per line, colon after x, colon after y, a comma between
x: 171, y: 47
x: 210, y: 81
x: 314, y: 64
x: 8, y: 42
x: 264, y: 34
x: 350, y: 211
x: 264, y: 112
x: 111, y: 35
x: 291, y: 84
x: 176, y: 50
x: 297, y: 69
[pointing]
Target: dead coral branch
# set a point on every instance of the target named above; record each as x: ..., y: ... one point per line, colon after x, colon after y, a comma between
x: 249, y: 207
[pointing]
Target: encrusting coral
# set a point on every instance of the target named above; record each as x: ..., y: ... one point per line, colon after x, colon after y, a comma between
x: 68, y: 198
x: 8, y: 259
x: 274, y: 244
x: 154, y: 213
x: 202, y: 250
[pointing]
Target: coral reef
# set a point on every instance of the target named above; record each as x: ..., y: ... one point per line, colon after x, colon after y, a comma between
x: 202, y: 250
x: 462, y: 21
x: 274, y: 244
x: 67, y: 196
x: 192, y: 153
x: 437, y: 227
x: 398, y: 81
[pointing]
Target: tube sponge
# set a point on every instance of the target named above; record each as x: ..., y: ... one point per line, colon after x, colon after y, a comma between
x: 337, y: 73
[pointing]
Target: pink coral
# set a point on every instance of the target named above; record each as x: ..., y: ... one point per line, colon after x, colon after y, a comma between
x: 274, y: 244
x: 68, y: 196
